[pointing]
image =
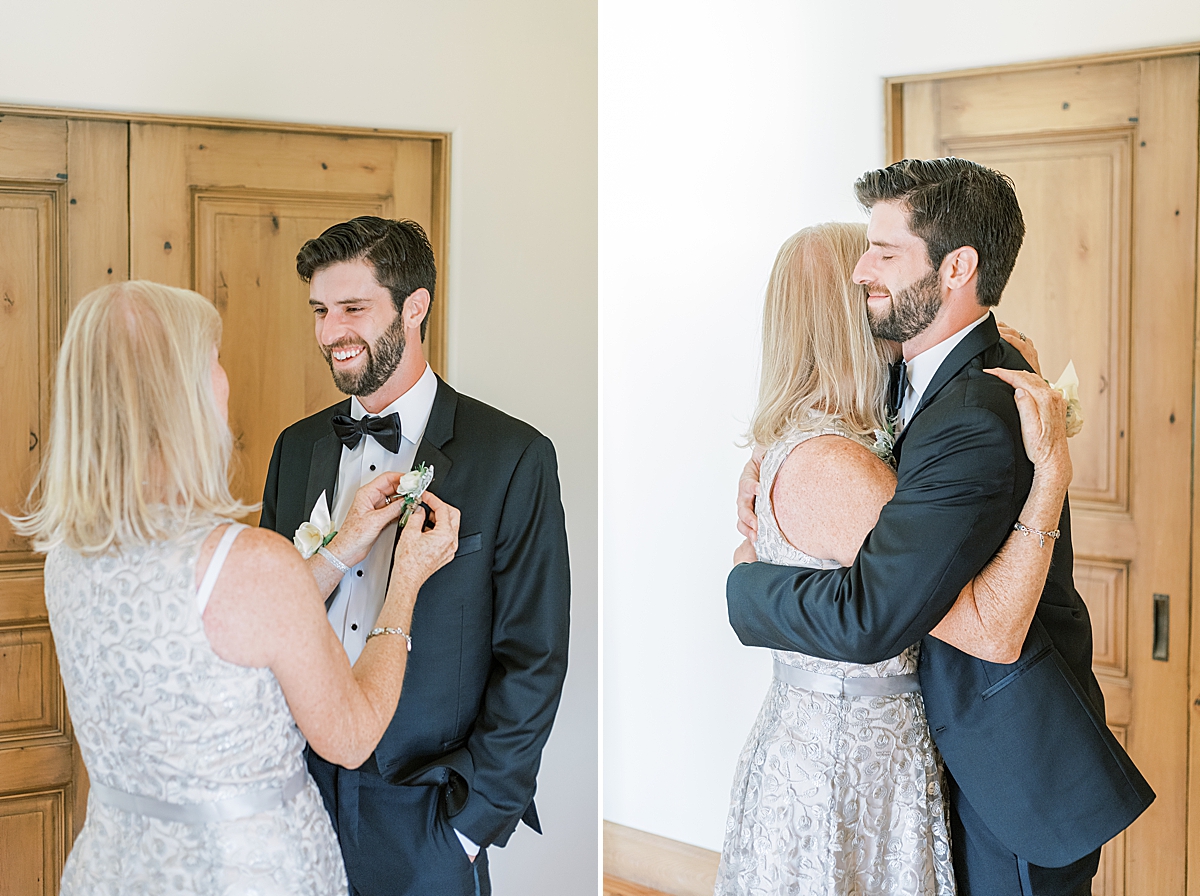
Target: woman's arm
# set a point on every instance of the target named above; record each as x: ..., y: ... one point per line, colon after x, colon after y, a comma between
x: 992, y: 614
x: 829, y: 491
x: 827, y: 496
x: 369, y: 515
x: 265, y: 611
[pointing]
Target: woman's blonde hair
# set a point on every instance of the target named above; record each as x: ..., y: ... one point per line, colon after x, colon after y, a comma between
x: 820, y: 363
x: 137, y: 450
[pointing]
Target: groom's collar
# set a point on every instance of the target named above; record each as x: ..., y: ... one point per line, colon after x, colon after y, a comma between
x: 979, y: 339
x: 414, y: 406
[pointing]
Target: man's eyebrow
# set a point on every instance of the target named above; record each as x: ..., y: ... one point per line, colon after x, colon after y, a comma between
x: 882, y: 244
x: 351, y: 301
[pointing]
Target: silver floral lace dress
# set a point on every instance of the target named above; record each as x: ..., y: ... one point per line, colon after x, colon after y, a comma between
x: 158, y: 715
x: 834, y: 795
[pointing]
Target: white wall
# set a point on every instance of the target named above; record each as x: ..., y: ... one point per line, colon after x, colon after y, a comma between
x: 723, y: 129
x: 516, y: 84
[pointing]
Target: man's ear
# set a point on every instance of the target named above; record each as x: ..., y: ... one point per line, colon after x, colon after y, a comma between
x: 959, y: 266
x: 416, y: 306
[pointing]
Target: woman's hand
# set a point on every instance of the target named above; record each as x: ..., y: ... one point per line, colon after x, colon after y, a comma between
x: 369, y: 514
x: 1043, y: 422
x: 1021, y: 343
x: 747, y: 493
x: 421, y: 552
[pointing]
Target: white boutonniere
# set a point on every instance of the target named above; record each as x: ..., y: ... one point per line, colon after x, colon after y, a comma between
x: 1068, y: 385
x: 412, y: 486
x: 316, y: 532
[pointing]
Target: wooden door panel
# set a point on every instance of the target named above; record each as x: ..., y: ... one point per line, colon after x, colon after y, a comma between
x: 225, y: 210
x: 31, y: 703
x: 29, y: 263
x: 245, y: 249
x: 1104, y: 161
x: 31, y: 844
x: 1071, y: 285
x: 33, y: 148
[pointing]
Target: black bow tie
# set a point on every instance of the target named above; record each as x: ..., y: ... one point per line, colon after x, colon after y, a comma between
x: 385, y: 430
x: 897, y: 385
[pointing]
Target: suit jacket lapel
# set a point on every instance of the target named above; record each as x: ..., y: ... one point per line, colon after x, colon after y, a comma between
x: 323, y: 468
x: 438, y: 431
x: 974, y: 343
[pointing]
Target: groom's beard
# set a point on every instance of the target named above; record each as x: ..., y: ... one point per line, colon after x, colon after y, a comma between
x: 912, y: 310
x: 383, y: 357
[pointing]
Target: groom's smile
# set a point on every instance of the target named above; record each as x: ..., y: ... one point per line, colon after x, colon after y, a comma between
x: 358, y: 328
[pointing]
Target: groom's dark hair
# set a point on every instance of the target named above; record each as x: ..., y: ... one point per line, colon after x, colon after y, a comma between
x: 397, y: 251
x: 953, y: 203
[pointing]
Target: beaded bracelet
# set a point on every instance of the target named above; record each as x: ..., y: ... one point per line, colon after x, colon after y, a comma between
x: 391, y: 631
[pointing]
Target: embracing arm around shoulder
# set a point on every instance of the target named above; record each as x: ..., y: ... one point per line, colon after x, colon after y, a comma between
x: 993, y: 612
x: 829, y: 493
x: 265, y: 612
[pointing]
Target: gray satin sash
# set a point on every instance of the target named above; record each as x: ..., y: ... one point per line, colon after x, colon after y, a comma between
x: 203, y: 813
x: 882, y: 686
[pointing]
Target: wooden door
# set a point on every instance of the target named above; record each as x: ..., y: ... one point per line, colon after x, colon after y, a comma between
x: 63, y: 231
x: 224, y: 211
x: 1104, y: 160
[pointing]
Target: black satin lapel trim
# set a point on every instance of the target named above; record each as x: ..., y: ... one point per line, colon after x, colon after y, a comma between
x: 432, y: 456
x: 323, y: 471
x: 974, y: 344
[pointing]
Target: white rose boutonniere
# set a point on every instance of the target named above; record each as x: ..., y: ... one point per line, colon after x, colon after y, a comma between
x: 316, y: 532
x: 412, y: 486
x: 1068, y: 385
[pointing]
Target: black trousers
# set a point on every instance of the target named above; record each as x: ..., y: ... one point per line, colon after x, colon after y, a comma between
x: 396, y: 840
x: 983, y: 867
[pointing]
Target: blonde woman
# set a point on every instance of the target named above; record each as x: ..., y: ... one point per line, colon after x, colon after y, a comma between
x: 195, y: 652
x: 839, y: 789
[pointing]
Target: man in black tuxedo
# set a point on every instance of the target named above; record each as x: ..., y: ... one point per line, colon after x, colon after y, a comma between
x: 1037, y: 782
x: 456, y: 770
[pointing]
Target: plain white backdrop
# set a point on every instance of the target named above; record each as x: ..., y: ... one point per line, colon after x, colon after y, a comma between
x: 724, y: 128
x: 515, y: 83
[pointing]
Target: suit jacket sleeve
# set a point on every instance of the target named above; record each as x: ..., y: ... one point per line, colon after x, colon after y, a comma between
x: 953, y: 508
x: 531, y: 610
x: 270, y: 499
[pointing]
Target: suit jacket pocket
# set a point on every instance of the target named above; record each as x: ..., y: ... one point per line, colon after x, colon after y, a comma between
x: 469, y: 544
x: 1021, y: 668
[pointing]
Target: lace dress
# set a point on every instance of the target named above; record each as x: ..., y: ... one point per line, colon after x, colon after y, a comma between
x: 834, y: 795
x: 159, y: 715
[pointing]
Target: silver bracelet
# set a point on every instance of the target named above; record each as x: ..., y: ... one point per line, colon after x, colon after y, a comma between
x: 1018, y: 526
x: 329, y: 555
x: 390, y: 631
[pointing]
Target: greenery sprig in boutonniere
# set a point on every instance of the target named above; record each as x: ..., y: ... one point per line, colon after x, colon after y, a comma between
x: 885, y: 440
x: 412, y: 486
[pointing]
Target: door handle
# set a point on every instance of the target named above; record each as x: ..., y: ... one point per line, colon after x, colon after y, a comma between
x: 1162, y: 626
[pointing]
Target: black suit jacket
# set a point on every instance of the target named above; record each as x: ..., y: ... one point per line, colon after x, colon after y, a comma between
x: 1027, y: 742
x: 489, y: 632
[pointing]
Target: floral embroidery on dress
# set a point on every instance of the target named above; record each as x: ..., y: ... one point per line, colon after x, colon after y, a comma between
x: 157, y: 713
x: 833, y: 796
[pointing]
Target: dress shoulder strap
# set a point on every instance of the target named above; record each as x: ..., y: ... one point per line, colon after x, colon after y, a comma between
x: 204, y: 592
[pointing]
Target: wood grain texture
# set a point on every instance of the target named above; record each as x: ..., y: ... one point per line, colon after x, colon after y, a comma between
x: 98, y: 208
x: 1104, y: 160
x: 614, y: 886
x: 33, y: 148
x: 675, y: 868
x: 32, y: 846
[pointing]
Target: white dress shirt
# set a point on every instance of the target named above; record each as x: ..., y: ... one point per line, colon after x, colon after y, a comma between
x: 922, y: 369
x: 360, y: 595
